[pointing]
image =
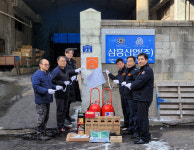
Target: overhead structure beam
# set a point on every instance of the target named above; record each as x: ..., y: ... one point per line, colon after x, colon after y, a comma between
x: 142, y: 9
x: 26, y: 10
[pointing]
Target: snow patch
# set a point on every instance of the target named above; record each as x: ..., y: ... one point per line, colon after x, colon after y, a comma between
x: 156, y: 120
x: 157, y: 145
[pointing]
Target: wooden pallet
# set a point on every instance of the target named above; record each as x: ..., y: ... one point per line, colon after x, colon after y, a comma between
x: 175, y: 100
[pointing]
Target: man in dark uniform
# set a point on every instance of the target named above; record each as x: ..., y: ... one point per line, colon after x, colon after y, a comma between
x: 118, y: 79
x: 61, y: 77
x: 131, y: 74
x: 74, y: 91
x: 142, y: 89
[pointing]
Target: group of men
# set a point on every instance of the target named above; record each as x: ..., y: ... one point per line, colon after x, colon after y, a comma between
x: 63, y: 83
x: 135, y: 86
x: 136, y: 90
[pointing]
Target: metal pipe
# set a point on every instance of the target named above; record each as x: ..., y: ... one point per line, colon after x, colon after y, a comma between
x: 30, y: 26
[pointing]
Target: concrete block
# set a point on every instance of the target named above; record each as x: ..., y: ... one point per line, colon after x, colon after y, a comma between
x: 123, y: 23
x: 157, y: 23
x: 189, y: 60
x: 159, y: 45
x: 174, y: 37
x: 153, y: 107
x: 166, y: 45
x: 178, y: 76
x: 180, y: 60
x: 93, y: 32
x: 158, y: 30
x: 113, y: 22
x: 90, y: 14
x: 166, y: 30
x: 161, y: 53
x: 168, y: 65
x: 172, y: 49
x: 158, y: 76
x: 169, y: 23
x: 186, y: 47
x: 174, y: 30
x: 188, y: 76
x: 184, y: 23
x: 179, y: 68
x: 190, y: 37
x: 158, y: 65
x: 147, y: 23
x: 105, y: 22
x: 162, y: 37
x: 135, y: 23
x: 188, y: 68
x: 168, y: 76
x: 91, y: 24
x: 181, y: 37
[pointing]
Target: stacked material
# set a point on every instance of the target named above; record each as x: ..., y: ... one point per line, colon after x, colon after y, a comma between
x: 29, y: 56
x: 109, y: 123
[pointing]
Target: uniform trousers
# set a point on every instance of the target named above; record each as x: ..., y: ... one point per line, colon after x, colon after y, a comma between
x: 143, y: 121
x: 62, y: 106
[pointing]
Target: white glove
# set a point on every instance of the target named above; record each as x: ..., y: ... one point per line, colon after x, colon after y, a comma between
x: 128, y: 85
x: 107, y: 72
x: 116, y: 81
x: 78, y: 70
x: 66, y: 83
x: 73, y: 78
x: 58, y: 87
x: 51, y: 91
x: 123, y: 83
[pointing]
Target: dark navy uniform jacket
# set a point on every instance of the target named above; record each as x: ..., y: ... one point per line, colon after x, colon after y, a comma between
x: 74, y: 91
x: 121, y: 77
x: 41, y: 82
x: 130, y: 77
x: 143, y: 85
x: 58, y: 77
x: 70, y: 66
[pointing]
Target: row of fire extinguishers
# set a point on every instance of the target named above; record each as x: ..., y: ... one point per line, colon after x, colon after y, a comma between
x: 95, y: 110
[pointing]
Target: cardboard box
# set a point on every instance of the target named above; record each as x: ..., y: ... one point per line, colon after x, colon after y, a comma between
x: 15, y: 53
x: 70, y: 138
x: 26, y: 46
x: 116, y: 139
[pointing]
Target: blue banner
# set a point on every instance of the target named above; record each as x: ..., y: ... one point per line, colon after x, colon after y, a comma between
x: 122, y: 46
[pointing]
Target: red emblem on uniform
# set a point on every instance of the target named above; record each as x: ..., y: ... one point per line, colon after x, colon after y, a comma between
x: 129, y: 74
x: 123, y: 74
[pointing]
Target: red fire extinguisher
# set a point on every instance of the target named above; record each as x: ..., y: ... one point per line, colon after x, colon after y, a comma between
x: 96, y: 106
x: 107, y: 109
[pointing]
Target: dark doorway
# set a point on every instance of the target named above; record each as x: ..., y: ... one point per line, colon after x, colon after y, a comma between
x: 59, y: 42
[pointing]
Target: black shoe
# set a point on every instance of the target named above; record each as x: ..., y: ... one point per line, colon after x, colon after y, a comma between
x: 49, y: 134
x: 67, y: 123
x: 135, y: 136
x: 130, y: 131
x: 70, y: 119
x: 140, y: 141
x: 124, y: 126
x: 43, y: 137
x: 61, y: 130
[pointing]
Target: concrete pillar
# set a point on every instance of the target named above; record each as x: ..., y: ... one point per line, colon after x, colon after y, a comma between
x: 90, y: 24
x: 180, y: 10
x: 142, y: 9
